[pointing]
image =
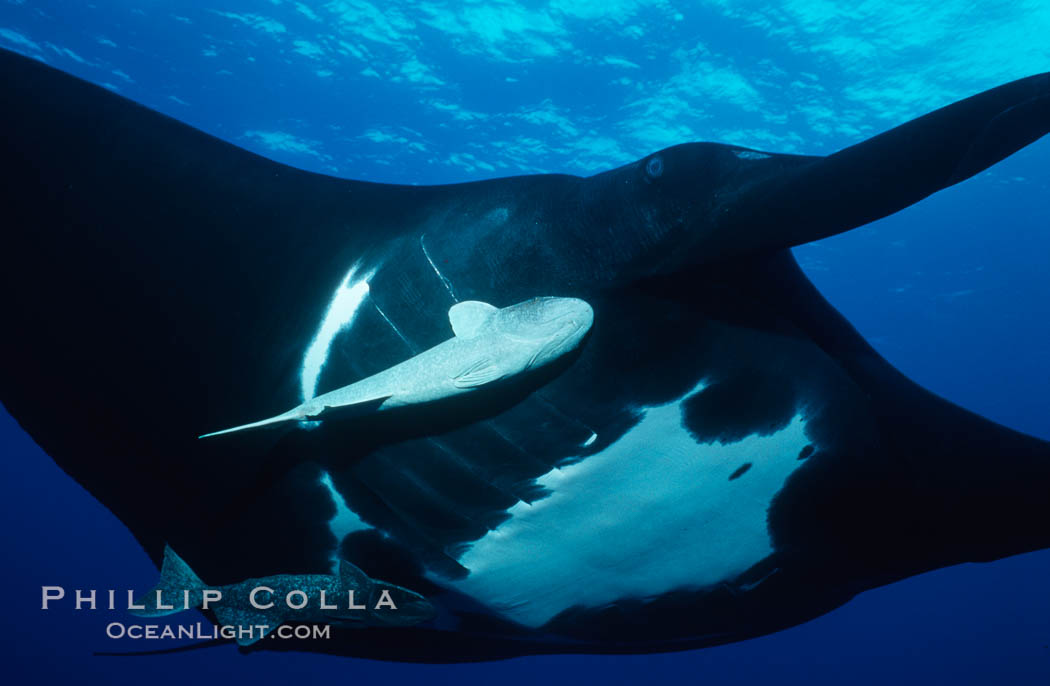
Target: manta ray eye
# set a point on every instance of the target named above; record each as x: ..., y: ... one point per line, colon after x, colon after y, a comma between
x: 654, y: 167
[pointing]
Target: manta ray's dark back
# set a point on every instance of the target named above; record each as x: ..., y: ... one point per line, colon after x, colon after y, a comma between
x: 725, y: 457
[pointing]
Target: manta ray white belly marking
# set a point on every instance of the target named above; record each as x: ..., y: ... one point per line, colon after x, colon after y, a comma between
x: 343, y: 308
x: 653, y: 512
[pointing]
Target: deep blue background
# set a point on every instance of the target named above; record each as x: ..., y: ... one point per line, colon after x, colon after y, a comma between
x: 953, y: 291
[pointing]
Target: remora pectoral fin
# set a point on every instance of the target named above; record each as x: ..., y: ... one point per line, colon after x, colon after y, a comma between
x: 477, y: 373
x: 259, y: 623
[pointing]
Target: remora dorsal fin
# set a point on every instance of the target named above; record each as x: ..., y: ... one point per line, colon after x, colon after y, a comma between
x: 468, y: 316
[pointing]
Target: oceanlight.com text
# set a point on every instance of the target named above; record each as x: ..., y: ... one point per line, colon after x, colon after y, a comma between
x: 203, y: 631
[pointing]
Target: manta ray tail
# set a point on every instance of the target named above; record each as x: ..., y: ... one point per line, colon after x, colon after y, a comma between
x: 179, y: 589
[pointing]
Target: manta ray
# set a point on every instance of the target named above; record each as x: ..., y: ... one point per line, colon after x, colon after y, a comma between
x: 724, y: 456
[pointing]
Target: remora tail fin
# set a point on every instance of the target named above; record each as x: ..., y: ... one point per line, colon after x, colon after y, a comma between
x: 179, y: 589
x: 279, y: 419
x: 327, y: 413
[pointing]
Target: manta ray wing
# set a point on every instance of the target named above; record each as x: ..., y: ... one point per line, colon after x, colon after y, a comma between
x: 725, y: 457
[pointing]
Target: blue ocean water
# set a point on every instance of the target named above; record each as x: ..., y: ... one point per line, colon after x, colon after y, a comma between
x: 952, y: 291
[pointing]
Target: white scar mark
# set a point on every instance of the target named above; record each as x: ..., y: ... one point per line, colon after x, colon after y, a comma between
x: 448, y: 284
x: 393, y: 326
x: 344, y: 522
x: 750, y: 586
x: 342, y: 310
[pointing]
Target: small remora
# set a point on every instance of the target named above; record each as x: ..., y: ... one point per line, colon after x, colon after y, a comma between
x: 489, y: 345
